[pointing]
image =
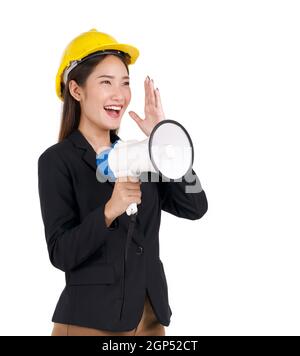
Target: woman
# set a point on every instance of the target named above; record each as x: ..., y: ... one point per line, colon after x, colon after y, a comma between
x: 85, y: 222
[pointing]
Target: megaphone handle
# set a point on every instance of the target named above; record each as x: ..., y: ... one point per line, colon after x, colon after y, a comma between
x: 132, y: 209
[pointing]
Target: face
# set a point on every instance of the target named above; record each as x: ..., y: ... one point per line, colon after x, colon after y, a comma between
x: 107, y: 85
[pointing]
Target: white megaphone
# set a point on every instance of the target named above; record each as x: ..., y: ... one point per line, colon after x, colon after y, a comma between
x: 168, y: 151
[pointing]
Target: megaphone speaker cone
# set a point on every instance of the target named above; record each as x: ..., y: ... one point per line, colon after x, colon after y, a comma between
x: 171, y: 149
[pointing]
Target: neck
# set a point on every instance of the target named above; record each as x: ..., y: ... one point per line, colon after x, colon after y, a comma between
x: 98, y: 138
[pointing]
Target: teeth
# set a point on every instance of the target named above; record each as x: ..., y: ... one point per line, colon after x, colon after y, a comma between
x: 113, y: 107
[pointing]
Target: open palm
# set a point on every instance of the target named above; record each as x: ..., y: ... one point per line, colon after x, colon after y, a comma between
x: 153, y: 109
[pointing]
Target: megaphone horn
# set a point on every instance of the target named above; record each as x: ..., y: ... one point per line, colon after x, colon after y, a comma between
x: 168, y: 151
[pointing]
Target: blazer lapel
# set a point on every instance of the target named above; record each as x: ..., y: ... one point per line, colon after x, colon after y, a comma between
x: 89, y: 155
x: 90, y: 158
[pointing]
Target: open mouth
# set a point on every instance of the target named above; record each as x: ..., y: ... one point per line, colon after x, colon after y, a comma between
x: 113, y: 111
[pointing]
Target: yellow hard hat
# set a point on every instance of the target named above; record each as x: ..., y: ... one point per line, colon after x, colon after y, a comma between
x: 84, y: 45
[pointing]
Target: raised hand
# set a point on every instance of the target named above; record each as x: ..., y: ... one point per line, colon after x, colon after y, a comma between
x: 153, y: 109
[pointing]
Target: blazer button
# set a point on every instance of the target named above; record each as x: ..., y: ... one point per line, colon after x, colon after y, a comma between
x: 139, y: 250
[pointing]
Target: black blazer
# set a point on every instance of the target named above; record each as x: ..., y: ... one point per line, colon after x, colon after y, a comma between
x: 90, y: 253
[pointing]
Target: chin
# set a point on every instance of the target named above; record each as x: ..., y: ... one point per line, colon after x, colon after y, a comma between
x: 114, y: 127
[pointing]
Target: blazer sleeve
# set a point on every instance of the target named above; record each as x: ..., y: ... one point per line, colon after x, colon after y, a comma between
x: 70, y: 241
x: 184, y: 198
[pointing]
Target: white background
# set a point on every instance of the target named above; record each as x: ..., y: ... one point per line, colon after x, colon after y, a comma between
x: 229, y: 72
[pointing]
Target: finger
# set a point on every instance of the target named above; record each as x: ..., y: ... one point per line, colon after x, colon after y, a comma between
x: 135, y: 194
x: 126, y: 184
x: 149, y: 95
x: 136, y: 200
x: 128, y: 179
x: 133, y: 185
x: 152, y: 100
x: 135, y: 117
x: 133, y: 179
x: 133, y: 190
x: 122, y: 179
x: 158, y: 101
x: 146, y: 91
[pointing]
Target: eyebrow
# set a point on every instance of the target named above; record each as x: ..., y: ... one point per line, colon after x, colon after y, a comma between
x: 110, y: 76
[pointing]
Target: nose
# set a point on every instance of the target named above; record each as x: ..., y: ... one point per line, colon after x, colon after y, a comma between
x: 118, y: 94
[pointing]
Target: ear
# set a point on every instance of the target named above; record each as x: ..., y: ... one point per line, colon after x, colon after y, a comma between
x: 75, y: 90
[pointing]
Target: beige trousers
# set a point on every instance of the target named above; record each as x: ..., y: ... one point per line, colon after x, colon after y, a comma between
x: 148, y: 326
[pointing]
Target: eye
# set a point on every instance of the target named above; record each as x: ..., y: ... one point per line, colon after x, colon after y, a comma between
x: 105, y: 81
x: 127, y: 83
